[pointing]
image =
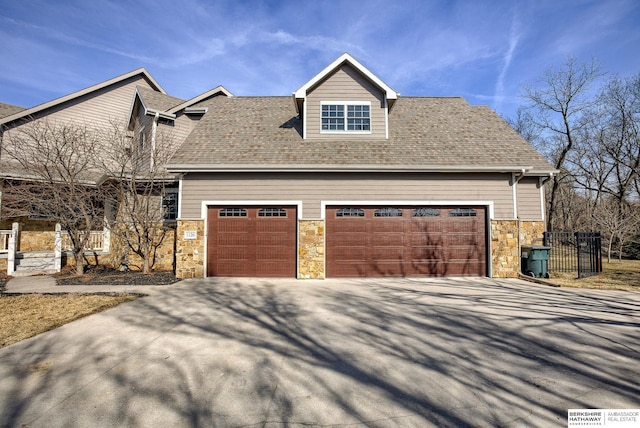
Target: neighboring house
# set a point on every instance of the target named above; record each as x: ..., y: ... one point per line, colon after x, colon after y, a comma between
x: 134, y: 101
x: 346, y: 178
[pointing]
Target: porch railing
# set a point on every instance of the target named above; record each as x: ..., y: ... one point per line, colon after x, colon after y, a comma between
x: 4, y: 240
x: 96, y: 241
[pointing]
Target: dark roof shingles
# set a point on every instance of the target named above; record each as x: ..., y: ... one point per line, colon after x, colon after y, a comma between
x: 424, y: 131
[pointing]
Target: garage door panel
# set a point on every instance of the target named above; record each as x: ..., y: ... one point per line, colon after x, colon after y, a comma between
x: 385, y: 254
x: 428, y: 226
x: 357, y: 254
x: 424, y: 241
x: 380, y: 239
x: 386, y: 225
x: 347, y: 225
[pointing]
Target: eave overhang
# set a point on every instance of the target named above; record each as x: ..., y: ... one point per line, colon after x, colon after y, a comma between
x: 528, y: 170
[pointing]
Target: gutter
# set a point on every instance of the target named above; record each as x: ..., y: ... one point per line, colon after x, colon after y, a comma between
x: 152, y: 112
x: 350, y: 168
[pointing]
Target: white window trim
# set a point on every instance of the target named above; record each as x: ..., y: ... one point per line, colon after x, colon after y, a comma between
x: 346, y: 103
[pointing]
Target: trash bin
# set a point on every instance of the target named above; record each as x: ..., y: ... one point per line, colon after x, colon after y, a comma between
x: 534, y: 259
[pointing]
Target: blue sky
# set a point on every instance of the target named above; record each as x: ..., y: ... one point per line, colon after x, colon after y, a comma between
x: 481, y: 50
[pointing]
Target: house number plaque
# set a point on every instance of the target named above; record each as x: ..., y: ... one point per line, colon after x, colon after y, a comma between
x: 190, y: 234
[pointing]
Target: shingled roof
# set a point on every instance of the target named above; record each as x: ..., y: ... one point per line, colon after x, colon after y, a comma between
x: 9, y: 109
x: 157, y: 101
x: 425, y: 133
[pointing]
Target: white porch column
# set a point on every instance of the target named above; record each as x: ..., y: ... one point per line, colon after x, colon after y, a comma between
x: 13, y: 248
x: 57, y: 249
x: 106, y: 239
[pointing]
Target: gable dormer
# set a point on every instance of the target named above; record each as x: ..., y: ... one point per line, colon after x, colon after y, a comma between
x: 345, y: 101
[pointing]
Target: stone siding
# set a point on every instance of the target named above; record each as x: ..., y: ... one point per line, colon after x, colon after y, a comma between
x: 32, y: 240
x: 120, y: 254
x: 190, y: 261
x: 311, y: 260
x: 505, y: 245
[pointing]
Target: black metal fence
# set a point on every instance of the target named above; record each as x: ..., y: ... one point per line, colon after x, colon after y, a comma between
x: 574, y: 252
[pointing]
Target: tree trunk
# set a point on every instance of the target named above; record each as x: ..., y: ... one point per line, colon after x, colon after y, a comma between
x: 79, y: 256
x: 146, y: 267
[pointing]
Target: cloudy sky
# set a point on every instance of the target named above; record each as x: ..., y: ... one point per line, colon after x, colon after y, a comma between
x: 482, y: 50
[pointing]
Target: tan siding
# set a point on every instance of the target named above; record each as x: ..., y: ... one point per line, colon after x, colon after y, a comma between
x: 182, y: 127
x: 100, y: 109
x: 311, y: 189
x: 345, y: 84
x: 529, y: 199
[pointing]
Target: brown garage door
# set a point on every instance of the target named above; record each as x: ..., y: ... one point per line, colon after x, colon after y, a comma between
x: 406, y: 241
x: 251, y: 241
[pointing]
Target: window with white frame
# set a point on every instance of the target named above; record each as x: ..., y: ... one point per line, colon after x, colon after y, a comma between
x: 346, y: 116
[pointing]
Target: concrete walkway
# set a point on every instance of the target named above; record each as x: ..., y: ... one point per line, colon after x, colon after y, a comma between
x: 47, y: 284
x: 370, y: 353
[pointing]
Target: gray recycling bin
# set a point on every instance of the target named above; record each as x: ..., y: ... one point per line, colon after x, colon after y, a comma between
x: 534, y: 259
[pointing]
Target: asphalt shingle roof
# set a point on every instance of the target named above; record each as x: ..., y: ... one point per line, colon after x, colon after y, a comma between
x: 157, y: 100
x: 9, y: 109
x: 423, y: 131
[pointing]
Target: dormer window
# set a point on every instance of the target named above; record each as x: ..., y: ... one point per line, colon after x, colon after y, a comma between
x: 346, y: 116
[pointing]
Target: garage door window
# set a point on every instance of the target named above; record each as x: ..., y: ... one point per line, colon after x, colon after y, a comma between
x: 426, y: 212
x: 232, y: 212
x: 350, y: 212
x: 462, y: 212
x: 272, y: 212
x: 388, y: 212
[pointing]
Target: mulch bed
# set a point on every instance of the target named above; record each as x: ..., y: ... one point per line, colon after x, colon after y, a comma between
x: 102, y: 275
x: 3, y: 281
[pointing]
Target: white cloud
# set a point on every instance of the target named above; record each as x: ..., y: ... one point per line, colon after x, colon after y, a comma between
x: 514, y: 37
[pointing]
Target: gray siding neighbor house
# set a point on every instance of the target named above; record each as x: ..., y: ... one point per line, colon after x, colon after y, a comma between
x: 344, y: 178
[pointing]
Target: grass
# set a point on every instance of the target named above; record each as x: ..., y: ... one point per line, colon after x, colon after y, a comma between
x: 617, y: 275
x: 27, y: 315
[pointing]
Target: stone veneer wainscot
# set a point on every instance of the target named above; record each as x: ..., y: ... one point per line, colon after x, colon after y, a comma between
x: 190, y: 252
x: 311, y: 260
x: 505, y: 244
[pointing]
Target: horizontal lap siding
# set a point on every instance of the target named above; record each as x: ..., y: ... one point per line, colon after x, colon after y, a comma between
x: 345, y: 84
x: 529, y: 199
x: 311, y: 189
x: 101, y: 107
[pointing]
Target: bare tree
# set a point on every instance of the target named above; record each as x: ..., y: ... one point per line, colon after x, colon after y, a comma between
x: 54, y: 172
x: 618, y: 225
x: 135, y: 164
x: 558, y: 102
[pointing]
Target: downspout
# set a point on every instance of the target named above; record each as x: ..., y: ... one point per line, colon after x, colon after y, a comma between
x: 154, y: 128
x: 515, y: 180
x: 542, y: 182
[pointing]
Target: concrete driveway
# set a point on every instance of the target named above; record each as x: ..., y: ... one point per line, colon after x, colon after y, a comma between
x: 378, y: 353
